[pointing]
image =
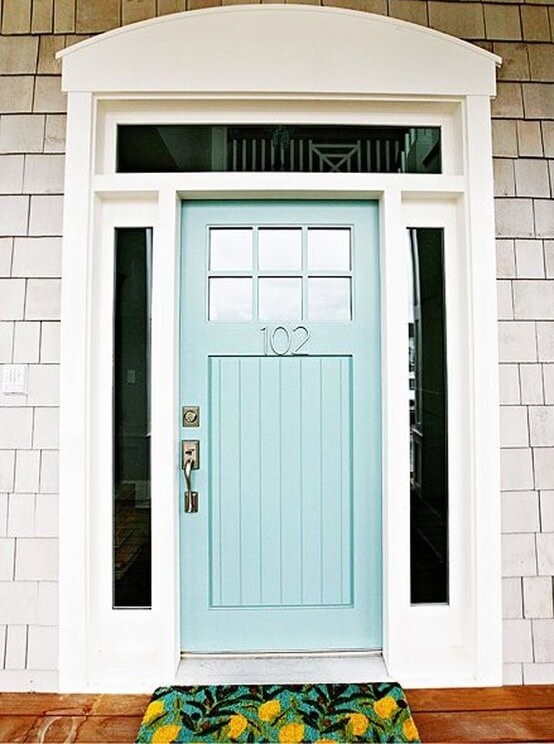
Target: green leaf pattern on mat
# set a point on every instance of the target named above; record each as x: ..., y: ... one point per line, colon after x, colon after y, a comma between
x: 288, y: 714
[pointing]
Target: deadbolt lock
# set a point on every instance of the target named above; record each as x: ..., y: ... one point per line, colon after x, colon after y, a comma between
x: 191, y: 416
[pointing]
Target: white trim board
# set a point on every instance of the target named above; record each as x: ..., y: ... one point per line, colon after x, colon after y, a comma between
x: 134, y: 650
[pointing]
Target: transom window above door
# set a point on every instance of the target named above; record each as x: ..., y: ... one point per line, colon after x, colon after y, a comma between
x: 280, y: 273
x: 169, y: 148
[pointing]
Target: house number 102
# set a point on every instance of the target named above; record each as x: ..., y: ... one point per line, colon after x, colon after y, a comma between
x: 281, y: 341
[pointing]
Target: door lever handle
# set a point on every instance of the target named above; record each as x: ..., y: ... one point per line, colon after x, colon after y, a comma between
x: 190, y: 462
x: 191, y: 497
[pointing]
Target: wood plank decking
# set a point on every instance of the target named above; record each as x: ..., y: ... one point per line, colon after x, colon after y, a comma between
x: 500, y: 714
x: 494, y: 714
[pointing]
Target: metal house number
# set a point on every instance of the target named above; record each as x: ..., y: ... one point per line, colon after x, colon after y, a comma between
x: 280, y: 341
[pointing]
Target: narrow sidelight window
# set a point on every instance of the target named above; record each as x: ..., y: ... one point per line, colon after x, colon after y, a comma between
x: 132, y: 586
x: 428, y: 419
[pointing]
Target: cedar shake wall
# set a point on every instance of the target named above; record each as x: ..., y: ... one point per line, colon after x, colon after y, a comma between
x: 32, y: 131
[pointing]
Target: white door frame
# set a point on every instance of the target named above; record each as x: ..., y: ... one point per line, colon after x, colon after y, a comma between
x: 133, y: 650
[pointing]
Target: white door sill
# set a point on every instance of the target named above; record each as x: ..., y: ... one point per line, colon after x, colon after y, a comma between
x: 226, y: 669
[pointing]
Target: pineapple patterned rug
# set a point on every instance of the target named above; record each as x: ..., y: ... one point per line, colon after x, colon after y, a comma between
x: 321, y: 713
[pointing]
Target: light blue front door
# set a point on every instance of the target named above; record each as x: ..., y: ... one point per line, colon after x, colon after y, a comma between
x: 280, y: 349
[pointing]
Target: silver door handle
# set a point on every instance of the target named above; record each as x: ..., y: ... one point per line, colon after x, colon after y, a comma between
x: 191, y: 497
x: 190, y: 462
x: 188, y: 474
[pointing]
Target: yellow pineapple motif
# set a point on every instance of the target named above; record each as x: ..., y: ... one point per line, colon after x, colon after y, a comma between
x: 385, y: 707
x: 165, y: 734
x: 154, y: 710
x: 409, y: 729
x: 269, y: 710
x: 357, y: 723
x: 237, y: 724
x: 292, y: 733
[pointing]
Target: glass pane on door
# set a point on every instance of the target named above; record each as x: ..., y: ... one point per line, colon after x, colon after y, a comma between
x: 329, y: 250
x: 329, y: 299
x: 279, y: 249
x: 280, y: 299
x: 230, y: 299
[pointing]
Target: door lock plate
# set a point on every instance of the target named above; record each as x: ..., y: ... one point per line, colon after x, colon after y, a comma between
x: 190, y: 451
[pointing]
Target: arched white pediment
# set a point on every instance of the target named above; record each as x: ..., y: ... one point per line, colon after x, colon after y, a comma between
x: 278, y: 49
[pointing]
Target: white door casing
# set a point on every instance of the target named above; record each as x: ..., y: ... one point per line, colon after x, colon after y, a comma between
x: 226, y: 65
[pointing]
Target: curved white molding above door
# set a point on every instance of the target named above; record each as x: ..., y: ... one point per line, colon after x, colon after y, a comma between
x: 292, y: 49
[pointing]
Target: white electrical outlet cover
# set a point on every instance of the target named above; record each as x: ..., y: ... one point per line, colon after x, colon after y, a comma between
x: 14, y: 379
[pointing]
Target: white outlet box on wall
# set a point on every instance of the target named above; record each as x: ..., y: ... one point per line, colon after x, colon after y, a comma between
x: 14, y: 379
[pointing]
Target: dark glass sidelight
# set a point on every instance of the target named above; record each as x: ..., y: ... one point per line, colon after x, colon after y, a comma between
x: 428, y: 419
x: 132, y: 585
x: 163, y: 148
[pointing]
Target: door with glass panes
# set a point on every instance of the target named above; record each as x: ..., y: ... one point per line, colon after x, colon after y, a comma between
x: 280, y: 511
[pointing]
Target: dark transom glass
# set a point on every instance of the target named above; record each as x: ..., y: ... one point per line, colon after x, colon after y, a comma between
x: 286, y: 148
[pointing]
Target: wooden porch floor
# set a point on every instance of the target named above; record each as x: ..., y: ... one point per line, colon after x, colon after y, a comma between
x: 501, y: 714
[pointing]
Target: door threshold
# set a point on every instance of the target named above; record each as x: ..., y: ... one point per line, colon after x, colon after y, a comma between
x: 281, y: 668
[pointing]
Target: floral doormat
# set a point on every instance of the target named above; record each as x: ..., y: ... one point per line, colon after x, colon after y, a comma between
x: 279, y: 713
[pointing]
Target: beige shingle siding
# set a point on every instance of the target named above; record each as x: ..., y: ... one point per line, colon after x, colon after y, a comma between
x: 32, y: 131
